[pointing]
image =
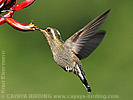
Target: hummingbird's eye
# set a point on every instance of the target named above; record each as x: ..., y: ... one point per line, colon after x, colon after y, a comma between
x: 48, y: 30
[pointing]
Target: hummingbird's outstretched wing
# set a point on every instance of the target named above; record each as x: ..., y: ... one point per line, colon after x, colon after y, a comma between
x: 85, y: 41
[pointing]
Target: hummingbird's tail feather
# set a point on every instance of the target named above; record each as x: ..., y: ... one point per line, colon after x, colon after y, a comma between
x: 80, y: 73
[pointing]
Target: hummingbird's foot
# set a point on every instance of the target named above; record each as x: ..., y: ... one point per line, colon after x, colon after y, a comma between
x: 68, y: 69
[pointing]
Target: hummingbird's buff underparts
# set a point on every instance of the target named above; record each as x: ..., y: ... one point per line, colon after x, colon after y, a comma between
x: 80, y: 45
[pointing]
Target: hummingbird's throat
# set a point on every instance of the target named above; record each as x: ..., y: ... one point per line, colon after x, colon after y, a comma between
x: 57, y: 43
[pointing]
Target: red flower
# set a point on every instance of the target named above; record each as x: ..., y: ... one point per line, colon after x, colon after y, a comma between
x: 10, y: 7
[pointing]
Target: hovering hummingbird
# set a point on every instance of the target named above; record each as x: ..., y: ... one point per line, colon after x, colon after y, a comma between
x: 80, y: 45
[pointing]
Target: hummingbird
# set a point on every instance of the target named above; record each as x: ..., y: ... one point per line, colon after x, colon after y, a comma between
x: 69, y: 54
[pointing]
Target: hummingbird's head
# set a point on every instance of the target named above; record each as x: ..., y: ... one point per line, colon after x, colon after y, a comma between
x: 53, y: 36
x: 51, y: 33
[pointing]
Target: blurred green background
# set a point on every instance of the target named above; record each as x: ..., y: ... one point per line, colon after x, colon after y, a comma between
x: 30, y: 67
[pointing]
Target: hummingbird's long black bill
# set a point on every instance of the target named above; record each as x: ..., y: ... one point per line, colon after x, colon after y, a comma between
x: 37, y: 28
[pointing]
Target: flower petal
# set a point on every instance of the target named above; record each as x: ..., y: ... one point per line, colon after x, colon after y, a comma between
x: 19, y: 26
x: 23, y: 4
x: 7, y: 15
